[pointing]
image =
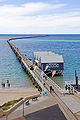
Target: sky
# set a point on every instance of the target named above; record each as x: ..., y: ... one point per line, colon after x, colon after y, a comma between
x: 40, y: 16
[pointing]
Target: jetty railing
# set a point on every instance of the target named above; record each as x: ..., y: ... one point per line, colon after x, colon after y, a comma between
x: 52, y: 82
x: 35, y: 77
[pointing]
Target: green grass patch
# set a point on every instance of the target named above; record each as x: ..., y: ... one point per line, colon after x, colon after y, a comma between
x: 9, y: 104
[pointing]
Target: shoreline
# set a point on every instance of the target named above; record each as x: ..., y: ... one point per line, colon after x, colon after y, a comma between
x: 12, y: 94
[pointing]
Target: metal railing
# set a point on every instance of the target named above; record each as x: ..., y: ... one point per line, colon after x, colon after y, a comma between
x: 52, y: 82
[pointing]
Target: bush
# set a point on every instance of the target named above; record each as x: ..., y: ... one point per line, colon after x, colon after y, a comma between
x: 9, y: 104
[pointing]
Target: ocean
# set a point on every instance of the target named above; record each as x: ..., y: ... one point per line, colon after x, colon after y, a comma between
x: 66, y: 45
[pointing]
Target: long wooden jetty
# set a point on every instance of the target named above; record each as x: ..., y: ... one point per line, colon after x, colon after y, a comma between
x: 34, y: 74
x: 38, y: 81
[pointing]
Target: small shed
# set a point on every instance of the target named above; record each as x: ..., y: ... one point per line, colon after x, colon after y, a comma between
x: 48, y: 61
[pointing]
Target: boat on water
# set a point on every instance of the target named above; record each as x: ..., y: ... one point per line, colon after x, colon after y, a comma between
x: 49, y: 62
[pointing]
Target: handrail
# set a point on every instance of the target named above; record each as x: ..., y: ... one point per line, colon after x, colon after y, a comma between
x: 52, y: 82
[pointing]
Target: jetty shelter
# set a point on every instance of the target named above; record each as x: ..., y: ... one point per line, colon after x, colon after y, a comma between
x: 48, y: 61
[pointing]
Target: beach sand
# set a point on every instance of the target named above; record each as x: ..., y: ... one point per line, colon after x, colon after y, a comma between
x: 14, y: 94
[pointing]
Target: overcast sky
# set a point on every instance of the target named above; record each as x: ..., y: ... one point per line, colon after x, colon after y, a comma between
x: 40, y: 16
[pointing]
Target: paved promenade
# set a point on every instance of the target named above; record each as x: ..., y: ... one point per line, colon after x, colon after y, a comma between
x: 33, y: 107
x: 42, y: 103
x: 72, y: 102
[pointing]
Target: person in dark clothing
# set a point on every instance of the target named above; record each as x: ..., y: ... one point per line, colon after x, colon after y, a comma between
x: 44, y: 84
x: 66, y: 87
x: 50, y: 89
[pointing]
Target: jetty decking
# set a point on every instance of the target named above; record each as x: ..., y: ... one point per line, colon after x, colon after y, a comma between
x: 39, y: 82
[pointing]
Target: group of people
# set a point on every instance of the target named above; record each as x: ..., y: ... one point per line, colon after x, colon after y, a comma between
x: 69, y: 88
x: 8, y: 84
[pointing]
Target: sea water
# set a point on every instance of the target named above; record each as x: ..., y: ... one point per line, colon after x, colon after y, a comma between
x: 10, y: 68
x: 66, y: 45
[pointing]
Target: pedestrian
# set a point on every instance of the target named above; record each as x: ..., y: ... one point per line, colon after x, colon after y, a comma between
x: 3, y: 85
x: 66, y: 87
x: 7, y: 81
x: 53, y: 89
x: 9, y: 85
x: 50, y: 89
x: 44, y: 84
x: 69, y: 89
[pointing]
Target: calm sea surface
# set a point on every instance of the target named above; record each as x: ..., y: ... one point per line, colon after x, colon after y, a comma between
x: 66, y: 45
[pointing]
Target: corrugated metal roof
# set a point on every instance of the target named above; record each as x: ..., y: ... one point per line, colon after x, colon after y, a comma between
x: 48, y: 57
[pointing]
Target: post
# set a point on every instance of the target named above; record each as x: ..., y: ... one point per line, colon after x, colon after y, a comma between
x: 75, y: 74
x: 76, y: 81
x: 23, y: 108
x: 7, y: 116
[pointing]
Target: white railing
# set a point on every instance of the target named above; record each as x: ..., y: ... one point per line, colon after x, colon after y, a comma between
x: 35, y: 77
x: 52, y: 82
x: 55, y: 85
x: 38, y: 81
x: 74, y: 88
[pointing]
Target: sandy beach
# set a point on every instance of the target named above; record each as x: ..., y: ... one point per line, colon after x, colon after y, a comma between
x: 13, y: 94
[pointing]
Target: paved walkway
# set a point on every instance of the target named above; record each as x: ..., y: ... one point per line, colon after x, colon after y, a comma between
x: 72, y: 103
x: 50, y: 100
x: 38, y: 101
x: 46, y: 102
x: 50, y: 113
x: 20, y: 118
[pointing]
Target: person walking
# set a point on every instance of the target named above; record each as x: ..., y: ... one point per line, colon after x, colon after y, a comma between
x: 50, y: 89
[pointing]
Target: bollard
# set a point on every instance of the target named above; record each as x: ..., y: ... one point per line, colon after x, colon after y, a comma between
x: 76, y: 81
x: 6, y: 116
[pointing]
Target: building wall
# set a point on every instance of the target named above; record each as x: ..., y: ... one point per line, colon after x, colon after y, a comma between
x: 52, y: 66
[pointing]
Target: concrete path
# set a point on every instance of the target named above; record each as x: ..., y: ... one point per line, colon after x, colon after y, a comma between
x: 38, y: 105
x: 20, y: 118
x: 50, y: 113
x: 50, y: 100
x: 38, y: 101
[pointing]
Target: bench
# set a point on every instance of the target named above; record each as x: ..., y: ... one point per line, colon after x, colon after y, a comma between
x: 35, y: 99
x: 27, y: 102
